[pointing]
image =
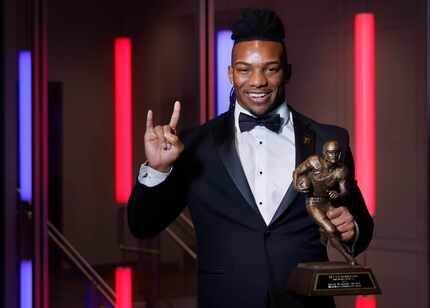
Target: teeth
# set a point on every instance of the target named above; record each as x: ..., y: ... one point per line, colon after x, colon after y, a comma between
x: 257, y: 95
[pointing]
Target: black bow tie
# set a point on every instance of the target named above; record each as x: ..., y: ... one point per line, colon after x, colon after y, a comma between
x: 272, y: 122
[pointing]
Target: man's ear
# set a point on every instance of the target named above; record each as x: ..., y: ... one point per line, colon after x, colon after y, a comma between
x: 287, y: 75
x: 230, y: 74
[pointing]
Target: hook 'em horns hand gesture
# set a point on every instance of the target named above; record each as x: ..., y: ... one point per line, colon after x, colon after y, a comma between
x: 162, y: 145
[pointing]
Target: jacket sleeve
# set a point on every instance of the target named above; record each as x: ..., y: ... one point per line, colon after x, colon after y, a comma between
x: 151, y: 209
x: 357, y: 207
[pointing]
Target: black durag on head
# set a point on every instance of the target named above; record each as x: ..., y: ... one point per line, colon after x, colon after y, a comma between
x: 258, y: 24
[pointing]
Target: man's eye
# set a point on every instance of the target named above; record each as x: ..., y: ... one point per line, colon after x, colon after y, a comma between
x: 243, y: 70
x: 273, y: 69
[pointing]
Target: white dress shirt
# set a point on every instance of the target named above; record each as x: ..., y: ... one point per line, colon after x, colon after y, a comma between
x: 268, y: 160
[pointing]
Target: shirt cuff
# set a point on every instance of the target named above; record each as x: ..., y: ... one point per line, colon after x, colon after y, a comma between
x: 150, y: 177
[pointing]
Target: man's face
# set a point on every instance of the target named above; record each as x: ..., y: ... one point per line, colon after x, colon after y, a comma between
x: 257, y: 75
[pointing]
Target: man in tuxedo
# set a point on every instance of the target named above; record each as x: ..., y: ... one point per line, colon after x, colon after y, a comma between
x: 235, y: 175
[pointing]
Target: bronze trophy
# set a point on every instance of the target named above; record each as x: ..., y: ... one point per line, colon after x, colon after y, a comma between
x: 324, y: 178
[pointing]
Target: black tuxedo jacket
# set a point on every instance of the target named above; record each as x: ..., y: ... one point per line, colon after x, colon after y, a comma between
x: 242, y: 262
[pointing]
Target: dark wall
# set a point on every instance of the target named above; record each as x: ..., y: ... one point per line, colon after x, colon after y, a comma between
x: 11, y: 38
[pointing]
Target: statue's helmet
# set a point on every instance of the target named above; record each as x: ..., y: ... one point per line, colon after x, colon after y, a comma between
x: 331, y: 151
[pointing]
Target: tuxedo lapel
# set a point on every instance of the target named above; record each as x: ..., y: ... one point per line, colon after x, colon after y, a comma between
x: 304, y: 138
x: 225, y: 142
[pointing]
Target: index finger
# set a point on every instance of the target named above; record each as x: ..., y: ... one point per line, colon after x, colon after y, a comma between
x: 175, y: 115
x: 335, y: 212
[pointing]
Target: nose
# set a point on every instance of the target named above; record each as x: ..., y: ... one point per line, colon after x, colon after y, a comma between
x: 258, y: 79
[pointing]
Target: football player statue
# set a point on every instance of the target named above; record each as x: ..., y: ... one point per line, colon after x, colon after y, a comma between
x: 324, y: 178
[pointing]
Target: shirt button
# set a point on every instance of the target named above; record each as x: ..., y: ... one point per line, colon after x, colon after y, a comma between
x: 260, y: 203
x: 261, y: 142
x: 261, y: 172
x: 267, y: 233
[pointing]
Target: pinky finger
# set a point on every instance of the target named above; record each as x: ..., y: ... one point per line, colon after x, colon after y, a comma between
x: 348, y: 236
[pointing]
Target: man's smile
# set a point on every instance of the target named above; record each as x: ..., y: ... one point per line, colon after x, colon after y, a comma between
x: 258, y: 96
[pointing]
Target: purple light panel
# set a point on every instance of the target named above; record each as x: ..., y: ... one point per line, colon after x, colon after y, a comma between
x: 25, y: 125
x: 26, y: 284
x: 224, y: 45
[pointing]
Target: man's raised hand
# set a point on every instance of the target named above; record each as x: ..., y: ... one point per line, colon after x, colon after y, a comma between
x: 162, y: 145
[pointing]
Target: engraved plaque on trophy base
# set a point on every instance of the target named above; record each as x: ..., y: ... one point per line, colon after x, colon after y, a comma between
x: 332, y: 278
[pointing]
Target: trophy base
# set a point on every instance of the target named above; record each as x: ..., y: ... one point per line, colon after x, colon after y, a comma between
x: 331, y: 279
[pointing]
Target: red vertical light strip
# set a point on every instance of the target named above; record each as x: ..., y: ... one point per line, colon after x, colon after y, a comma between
x: 40, y: 155
x: 45, y: 148
x: 365, y: 121
x: 123, y: 287
x: 368, y: 301
x: 123, y: 120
